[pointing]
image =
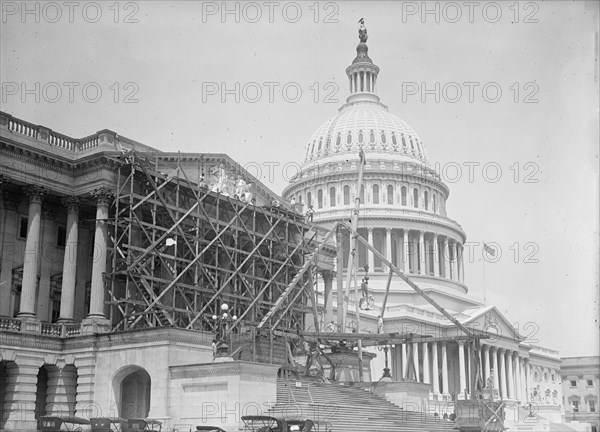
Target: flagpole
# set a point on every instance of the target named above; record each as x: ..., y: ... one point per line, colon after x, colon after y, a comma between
x: 484, y: 287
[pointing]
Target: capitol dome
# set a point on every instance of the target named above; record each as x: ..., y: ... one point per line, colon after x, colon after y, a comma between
x: 364, y: 122
x: 402, y: 199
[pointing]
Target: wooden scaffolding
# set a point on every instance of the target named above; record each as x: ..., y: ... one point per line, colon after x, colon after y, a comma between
x: 179, y: 251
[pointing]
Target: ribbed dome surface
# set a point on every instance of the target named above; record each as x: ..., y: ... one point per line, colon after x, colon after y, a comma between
x: 368, y: 125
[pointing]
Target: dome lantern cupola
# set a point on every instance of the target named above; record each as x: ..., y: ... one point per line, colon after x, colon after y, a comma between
x: 362, y: 73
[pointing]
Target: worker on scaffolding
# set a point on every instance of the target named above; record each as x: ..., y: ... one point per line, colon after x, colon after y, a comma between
x: 310, y: 214
x: 364, y: 286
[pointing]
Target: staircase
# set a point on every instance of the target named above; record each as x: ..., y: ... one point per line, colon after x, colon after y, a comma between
x: 341, y: 408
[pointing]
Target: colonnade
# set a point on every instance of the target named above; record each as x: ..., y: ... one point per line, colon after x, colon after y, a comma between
x: 36, y: 195
x: 429, y: 363
x: 416, y: 252
x: 363, y: 81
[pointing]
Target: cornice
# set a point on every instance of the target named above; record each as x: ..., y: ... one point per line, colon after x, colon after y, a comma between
x: 394, y: 218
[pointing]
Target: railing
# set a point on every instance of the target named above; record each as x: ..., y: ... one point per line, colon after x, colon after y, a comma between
x: 72, y: 330
x: 61, y: 141
x: 55, y: 139
x: 43, y: 328
x: 10, y: 324
x: 48, y: 329
x: 22, y: 127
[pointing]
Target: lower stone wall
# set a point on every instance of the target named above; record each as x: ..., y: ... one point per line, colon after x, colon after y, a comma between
x: 220, y: 393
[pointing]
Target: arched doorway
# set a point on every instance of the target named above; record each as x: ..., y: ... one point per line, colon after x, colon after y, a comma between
x: 133, y: 393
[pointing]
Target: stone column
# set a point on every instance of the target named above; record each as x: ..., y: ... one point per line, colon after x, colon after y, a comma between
x: 103, y: 198
x: 480, y: 354
x: 469, y: 367
x: 426, y: 378
x: 9, y: 226
x: 494, y: 353
x: 422, y: 253
x: 405, y: 251
x: 396, y: 358
x: 527, y: 379
x: 446, y: 259
x: 454, y: 262
x: 404, y: 362
x: 327, y: 276
x: 369, y: 253
x: 415, y: 352
x: 445, y: 388
x: 461, y: 367
x: 510, y: 378
x: 388, y: 245
x: 518, y: 376
x: 501, y: 359
x: 435, y: 375
x: 486, y: 359
x: 436, y: 256
x: 32, y: 252
x: 67, y: 297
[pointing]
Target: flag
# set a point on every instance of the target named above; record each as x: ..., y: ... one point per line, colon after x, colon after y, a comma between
x: 361, y: 154
x: 170, y: 242
x: 489, y: 250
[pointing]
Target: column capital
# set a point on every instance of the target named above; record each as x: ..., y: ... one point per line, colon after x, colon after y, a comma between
x: 388, y: 230
x: 35, y: 193
x: 494, y: 348
x: 102, y: 195
x: 461, y: 343
x: 370, y: 229
x: 485, y: 347
x: 327, y: 275
x: 71, y: 203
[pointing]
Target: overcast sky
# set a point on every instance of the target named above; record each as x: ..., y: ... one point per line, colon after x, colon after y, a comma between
x: 503, y: 95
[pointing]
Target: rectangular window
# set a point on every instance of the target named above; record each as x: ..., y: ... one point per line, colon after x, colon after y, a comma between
x: 573, y: 383
x: 545, y: 376
x: 61, y: 236
x: 590, y: 383
x: 592, y: 405
x: 575, y: 406
x: 23, y: 222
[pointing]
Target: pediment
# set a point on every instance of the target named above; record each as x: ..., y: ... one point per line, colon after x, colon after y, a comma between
x: 490, y: 320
